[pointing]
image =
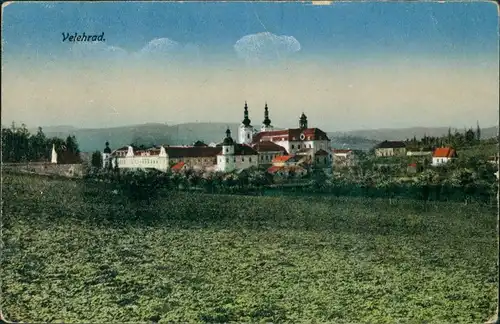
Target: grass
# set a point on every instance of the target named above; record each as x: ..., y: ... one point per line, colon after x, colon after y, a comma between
x: 74, y: 253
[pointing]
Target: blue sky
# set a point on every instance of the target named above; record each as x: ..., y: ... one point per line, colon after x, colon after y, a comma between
x: 455, y: 40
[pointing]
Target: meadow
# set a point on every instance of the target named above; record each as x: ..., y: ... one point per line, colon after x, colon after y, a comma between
x: 77, y: 253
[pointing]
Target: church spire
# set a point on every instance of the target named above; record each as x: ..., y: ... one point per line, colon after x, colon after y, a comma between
x: 246, y: 120
x: 267, y: 121
x: 303, y: 121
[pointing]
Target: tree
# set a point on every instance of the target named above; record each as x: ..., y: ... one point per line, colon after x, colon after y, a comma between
x: 464, y: 180
x: 478, y: 132
x: 96, y: 160
x: 427, y: 180
x: 470, y: 136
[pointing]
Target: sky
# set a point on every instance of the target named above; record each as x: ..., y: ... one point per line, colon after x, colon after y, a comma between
x: 347, y: 66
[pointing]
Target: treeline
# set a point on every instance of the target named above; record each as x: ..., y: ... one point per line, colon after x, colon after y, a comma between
x: 454, y: 139
x: 461, y: 184
x: 19, y: 145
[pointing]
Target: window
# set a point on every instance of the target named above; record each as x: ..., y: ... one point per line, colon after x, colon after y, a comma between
x: 262, y: 157
x: 227, y: 160
x: 250, y: 159
x: 309, y: 145
x: 242, y: 159
x: 248, y: 136
x: 293, y: 146
x: 227, y: 150
x: 324, y: 160
x: 298, y: 146
x: 234, y: 160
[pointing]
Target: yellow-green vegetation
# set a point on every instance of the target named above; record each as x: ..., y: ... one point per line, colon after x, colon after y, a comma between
x: 77, y: 253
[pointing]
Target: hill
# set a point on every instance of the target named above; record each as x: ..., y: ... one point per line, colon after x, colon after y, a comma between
x: 91, y: 139
x: 404, y: 133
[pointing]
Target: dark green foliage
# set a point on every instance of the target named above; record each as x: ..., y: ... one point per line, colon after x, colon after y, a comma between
x: 18, y: 145
x: 96, y: 160
x: 74, y: 252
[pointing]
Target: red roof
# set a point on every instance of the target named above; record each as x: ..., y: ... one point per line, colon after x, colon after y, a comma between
x: 341, y: 151
x: 282, y: 158
x: 192, y: 151
x: 292, y: 134
x: 178, y: 166
x: 267, y: 146
x: 444, y: 152
x: 274, y: 169
x: 412, y: 165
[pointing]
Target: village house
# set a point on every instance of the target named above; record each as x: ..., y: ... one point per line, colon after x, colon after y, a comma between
x: 287, y: 165
x: 390, y: 148
x: 443, y: 155
x: 343, y: 158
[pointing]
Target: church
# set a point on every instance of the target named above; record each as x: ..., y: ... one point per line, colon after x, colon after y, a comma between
x: 312, y: 144
x: 254, y: 148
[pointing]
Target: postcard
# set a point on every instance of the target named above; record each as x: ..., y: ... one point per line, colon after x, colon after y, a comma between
x: 250, y: 162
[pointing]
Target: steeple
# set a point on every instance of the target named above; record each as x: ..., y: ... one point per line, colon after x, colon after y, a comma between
x: 107, y: 150
x: 228, y: 140
x: 303, y: 121
x: 267, y: 121
x: 246, y: 120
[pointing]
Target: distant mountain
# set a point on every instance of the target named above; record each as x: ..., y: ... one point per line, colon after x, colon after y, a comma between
x: 408, y: 133
x: 91, y: 139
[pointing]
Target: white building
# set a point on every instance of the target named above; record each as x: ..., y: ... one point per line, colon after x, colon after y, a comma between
x: 227, y: 157
x: 293, y: 140
x: 235, y: 156
x: 443, y: 155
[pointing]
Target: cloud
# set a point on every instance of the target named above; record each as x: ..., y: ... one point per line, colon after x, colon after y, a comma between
x: 165, y: 48
x: 159, y: 49
x: 266, y: 46
x: 97, y: 50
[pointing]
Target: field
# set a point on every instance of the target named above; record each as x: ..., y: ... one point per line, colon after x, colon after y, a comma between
x: 75, y: 253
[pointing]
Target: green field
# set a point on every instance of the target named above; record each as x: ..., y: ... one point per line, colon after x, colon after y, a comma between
x: 75, y: 253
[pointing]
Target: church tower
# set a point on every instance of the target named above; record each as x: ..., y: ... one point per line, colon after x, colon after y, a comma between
x: 266, y: 124
x: 303, y: 121
x: 246, y: 129
x: 226, y: 159
x: 106, y: 156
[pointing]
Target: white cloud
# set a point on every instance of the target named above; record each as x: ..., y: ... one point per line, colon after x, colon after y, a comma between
x: 164, y: 48
x: 160, y: 45
x: 97, y: 50
x: 265, y: 46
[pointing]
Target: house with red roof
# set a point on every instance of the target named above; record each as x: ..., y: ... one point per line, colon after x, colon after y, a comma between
x: 443, y: 155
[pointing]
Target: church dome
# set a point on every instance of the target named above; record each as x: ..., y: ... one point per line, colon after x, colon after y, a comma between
x: 228, y: 140
x: 107, y: 149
